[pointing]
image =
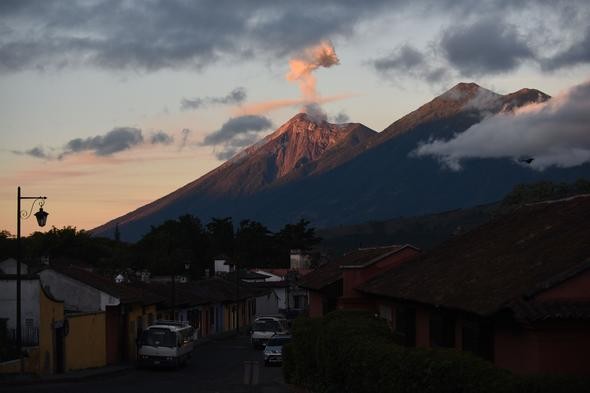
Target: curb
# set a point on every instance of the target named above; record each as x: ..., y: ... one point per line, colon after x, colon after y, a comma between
x: 86, y: 375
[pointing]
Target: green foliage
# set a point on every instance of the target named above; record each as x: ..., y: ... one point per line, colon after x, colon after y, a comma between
x: 254, y: 245
x: 552, y: 384
x: 170, y: 247
x: 220, y: 232
x: 350, y: 351
x: 174, y: 245
x: 545, y: 190
x: 298, y: 236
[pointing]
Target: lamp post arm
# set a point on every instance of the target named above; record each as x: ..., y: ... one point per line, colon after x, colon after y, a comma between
x: 24, y: 214
x: 21, y: 214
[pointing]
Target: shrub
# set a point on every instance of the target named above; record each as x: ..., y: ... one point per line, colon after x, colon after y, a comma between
x: 352, y: 352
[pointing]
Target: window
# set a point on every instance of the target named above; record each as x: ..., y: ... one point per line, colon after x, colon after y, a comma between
x: 442, y: 329
x: 405, y: 325
x: 29, y: 322
x: 478, y: 338
x: 385, y: 313
x: 159, y: 338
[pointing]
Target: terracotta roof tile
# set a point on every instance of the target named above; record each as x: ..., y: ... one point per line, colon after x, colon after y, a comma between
x: 500, y: 261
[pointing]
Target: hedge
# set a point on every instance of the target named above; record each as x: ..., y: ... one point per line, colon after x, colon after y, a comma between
x: 350, y: 351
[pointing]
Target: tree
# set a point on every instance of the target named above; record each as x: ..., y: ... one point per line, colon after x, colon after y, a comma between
x: 165, y: 249
x: 297, y: 236
x: 220, y: 232
x: 253, y: 245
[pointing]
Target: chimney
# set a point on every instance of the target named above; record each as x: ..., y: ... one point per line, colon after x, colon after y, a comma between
x: 299, y: 260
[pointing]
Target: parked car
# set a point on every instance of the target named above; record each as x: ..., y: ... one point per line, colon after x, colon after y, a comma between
x: 273, y: 352
x: 165, y: 343
x: 263, y: 330
x: 279, y: 318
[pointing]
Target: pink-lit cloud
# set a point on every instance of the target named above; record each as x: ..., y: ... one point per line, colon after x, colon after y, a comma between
x: 552, y: 133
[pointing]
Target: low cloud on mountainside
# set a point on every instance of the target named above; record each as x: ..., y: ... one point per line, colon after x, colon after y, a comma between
x: 114, y: 141
x: 553, y: 133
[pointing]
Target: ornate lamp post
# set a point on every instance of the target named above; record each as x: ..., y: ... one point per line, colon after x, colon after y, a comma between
x: 41, y: 217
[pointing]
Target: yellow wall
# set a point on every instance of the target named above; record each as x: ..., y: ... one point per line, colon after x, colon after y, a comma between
x: 86, y: 341
x: 229, y: 318
x: 50, y: 312
x: 135, y: 312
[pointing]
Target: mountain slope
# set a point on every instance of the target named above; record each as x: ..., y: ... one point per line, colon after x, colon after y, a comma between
x: 338, y: 174
x: 298, y: 143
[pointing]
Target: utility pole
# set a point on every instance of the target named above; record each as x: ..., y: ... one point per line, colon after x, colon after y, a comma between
x: 41, y: 217
x: 237, y: 266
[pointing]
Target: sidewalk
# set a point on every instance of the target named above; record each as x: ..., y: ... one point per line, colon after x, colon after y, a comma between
x: 71, y: 376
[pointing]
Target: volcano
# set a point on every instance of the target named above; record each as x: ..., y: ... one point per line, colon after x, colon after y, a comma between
x: 347, y: 173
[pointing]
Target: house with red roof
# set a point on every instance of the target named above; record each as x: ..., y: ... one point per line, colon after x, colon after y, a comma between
x: 335, y: 284
x: 515, y: 291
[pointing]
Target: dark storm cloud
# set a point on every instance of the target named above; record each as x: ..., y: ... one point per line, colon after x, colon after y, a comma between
x: 485, y: 47
x: 235, y: 134
x: 161, y: 138
x: 37, y: 152
x: 114, y: 141
x: 409, y: 61
x: 577, y: 53
x: 405, y: 58
x: 237, y: 127
x: 160, y: 34
x: 178, y: 34
x: 236, y: 96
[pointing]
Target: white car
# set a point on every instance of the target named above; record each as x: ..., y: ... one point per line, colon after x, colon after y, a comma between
x: 273, y: 352
x: 279, y: 318
x: 262, y: 331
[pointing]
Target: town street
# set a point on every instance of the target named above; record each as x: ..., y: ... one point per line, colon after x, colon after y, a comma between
x: 221, y: 366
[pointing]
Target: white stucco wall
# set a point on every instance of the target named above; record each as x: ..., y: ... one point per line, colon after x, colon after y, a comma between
x: 281, y: 294
x: 76, y: 295
x: 267, y: 304
x: 221, y: 266
x: 29, y: 301
x: 107, y: 300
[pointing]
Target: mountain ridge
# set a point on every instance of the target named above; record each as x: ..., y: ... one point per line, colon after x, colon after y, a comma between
x: 330, y: 173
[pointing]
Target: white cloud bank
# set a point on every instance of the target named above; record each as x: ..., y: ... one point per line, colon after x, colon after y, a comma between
x: 553, y: 133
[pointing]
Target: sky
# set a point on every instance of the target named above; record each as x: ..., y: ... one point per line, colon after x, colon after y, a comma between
x: 108, y: 105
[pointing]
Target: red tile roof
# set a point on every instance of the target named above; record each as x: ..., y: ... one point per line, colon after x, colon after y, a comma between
x: 322, y: 277
x: 364, y: 257
x: 513, y: 256
x: 331, y: 272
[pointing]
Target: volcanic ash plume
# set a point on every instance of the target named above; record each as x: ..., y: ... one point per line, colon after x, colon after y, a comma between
x: 312, y: 58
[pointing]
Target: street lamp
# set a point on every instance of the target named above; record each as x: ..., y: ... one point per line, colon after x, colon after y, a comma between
x: 41, y: 217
